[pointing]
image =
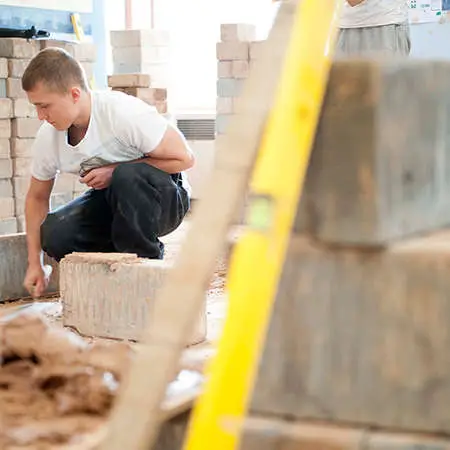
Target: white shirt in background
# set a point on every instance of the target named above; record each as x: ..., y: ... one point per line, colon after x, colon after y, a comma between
x: 374, y: 13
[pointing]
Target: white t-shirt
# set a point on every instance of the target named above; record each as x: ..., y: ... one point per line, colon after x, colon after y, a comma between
x: 121, y: 128
x: 374, y: 13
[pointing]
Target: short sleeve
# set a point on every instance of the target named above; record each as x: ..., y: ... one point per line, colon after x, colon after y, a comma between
x: 44, y: 165
x: 141, y: 126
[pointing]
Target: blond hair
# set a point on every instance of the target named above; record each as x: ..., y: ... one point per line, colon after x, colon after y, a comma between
x: 55, y: 68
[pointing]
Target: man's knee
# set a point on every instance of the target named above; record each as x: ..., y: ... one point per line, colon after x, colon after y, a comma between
x: 53, y: 236
x: 130, y: 175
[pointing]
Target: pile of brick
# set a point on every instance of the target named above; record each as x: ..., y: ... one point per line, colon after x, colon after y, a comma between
x: 138, y: 85
x: 18, y: 127
x: 235, y: 52
x: 141, y: 65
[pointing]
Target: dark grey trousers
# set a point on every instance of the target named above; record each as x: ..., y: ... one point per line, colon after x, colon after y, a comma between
x: 141, y: 204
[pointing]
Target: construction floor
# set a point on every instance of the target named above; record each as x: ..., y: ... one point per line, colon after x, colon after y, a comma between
x: 41, y: 384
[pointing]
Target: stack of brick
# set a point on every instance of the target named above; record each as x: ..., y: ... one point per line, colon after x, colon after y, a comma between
x: 139, y: 85
x: 18, y: 127
x: 142, y: 51
x: 235, y: 52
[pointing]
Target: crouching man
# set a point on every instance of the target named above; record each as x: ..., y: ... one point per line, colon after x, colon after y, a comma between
x: 132, y: 159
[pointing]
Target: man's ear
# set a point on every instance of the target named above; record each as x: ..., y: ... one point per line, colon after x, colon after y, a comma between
x: 75, y: 92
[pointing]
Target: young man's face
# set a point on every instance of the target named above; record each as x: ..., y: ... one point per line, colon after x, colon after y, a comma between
x: 59, y: 110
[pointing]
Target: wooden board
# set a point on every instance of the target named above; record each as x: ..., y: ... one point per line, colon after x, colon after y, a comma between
x: 380, y: 168
x: 361, y: 337
x: 276, y: 434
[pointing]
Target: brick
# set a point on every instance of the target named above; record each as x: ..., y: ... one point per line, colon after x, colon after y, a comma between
x: 3, y: 68
x: 2, y: 87
x: 79, y: 188
x: 21, y: 167
x: 237, y: 32
x: 5, y: 128
x: 222, y: 123
x: 6, y: 207
x: 240, y: 69
x: 60, y: 199
x: 396, y: 301
x: 139, y: 38
x: 20, y: 186
x: 129, y: 80
x: 149, y: 95
x: 159, y: 73
x: 25, y: 127
x: 23, y: 108
x: 5, y: 168
x: 6, y: 187
x: 230, y: 51
x: 6, y: 109
x: 14, y: 88
x: 229, y: 87
x: 85, y: 52
x: 224, y: 69
x: 21, y: 225
x: 132, y: 55
x: 5, y: 148
x: 65, y: 182
x: 17, y: 48
x: 16, y: 67
x: 224, y: 105
x: 256, y: 49
x: 378, y: 185
x: 111, y: 295
x: 21, y: 147
x: 8, y: 226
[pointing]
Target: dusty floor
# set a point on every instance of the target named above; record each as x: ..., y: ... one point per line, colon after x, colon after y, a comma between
x: 55, y: 386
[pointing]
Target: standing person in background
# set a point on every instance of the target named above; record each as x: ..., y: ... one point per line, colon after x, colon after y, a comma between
x: 374, y: 28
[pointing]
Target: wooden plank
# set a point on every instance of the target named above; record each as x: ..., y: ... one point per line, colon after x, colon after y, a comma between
x: 138, y: 408
x: 361, y: 337
x: 275, y: 434
x: 380, y: 169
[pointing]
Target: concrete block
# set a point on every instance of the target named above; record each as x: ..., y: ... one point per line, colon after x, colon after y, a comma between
x: 6, y: 108
x: 7, y: 226
x: 360, y: 336
x: 204, y: 152
x: 21, y: 147
x: 6, y: 187
x: 224, y: 69
x: 222, y: 123
x: 240, y: 69
x: 89, y: 69
x: 14, y: 88
x: 378, y: 185
x: 16, y: 67
x: 6, y: 169
x: 20, y: 186
x: 5, y: 149
x: 256, y: 49
x: 229, y: 87
x: 3, y: 68
x: 224, y: 105
x: 129, y: 80
x: 149, y: 95
x: 132, y: 55
x: 23, y: 108
x: 22, y: 167
x: 13, y: 266
x: 5, y: 128
x: 230, y: 51
x: 60, y: 199
x: 161, y: 107
x: 230, y: 32
x: 65, y: 182
x: 25, y: 127
x: 19, y: 206
x: 85, y: 52
x: 21, y: 224
x: 18, y: 48
x: 6, y: 207
x: 139, y: 38
x: 111, y: 295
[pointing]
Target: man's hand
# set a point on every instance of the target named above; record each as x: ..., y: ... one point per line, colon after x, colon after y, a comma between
x: 37, y: 279
x: 99, y: 178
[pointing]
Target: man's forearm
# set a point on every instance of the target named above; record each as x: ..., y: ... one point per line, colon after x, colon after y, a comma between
x: 36, y: 211
x: 354, y: 2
